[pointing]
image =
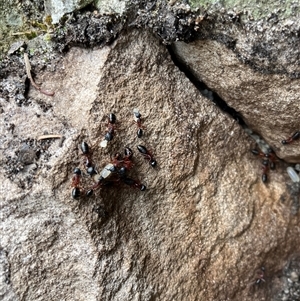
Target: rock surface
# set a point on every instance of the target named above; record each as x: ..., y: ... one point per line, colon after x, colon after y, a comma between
x: 203, y: 226
x: 58, y: 8
x: 206, y: 224
x: 268, y: 103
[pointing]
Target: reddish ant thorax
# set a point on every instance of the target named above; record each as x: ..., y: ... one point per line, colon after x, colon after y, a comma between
x: 76, y: 177
x: 268, y: 162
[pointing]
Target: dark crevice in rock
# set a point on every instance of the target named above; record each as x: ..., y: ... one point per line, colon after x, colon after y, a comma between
x: 217, y: 100
x: 269, y: 45
x: 204, y: 89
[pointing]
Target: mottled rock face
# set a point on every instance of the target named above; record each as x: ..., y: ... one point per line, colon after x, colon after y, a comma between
x: 202, y: 228
x: 58, y: 8
x: 268, y: 103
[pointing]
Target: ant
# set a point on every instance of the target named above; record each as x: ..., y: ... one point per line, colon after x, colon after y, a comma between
x: 91, y: 171
x: 75, y: 183
x: 87, y: 154
x: 147, y: 155
x: 265, y: 169
x: 76, y: 177
x: 110, y: 127
x: 132, y: 183
x: 268, y: 162
x: 294, y: 137
x: 76, y: 192
x: 109, y: 135
x: 128, y: 153
x: 138, y: 120
x: 125, y: 162
x: 117, y: 160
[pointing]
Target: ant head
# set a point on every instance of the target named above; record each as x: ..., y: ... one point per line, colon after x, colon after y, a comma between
x: 77, y: 171
x: 89, y: 193
x: 153, y: 163
x: 91, y: 171
x: 136, y: 113
x: 128, y: 152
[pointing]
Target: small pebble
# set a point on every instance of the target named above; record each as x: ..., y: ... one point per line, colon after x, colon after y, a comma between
x: 15, y: 47
x: 294, y: 277
x: 285, y: 298
x: 26, y: 155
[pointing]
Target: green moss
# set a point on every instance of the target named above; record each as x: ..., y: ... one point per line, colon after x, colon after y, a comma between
x: 21, y: 20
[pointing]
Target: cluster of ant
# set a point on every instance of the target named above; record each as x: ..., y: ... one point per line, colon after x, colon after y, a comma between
x: 269, y: 157
x: 117, y: 170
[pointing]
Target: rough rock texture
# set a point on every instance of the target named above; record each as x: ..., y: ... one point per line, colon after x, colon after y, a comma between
x: 249, y: 59
x: 111, y: 6
x: 266, y: 102
x: 57, y: 8
x: 202, y: 228
x: 206, y: 224
x: 18, y: 20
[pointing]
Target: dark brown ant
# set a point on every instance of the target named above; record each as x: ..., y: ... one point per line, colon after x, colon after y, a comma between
x: 138, y: 120
x: 76, y: 191
x: 270, y: 154
x: 111, y: 126
x: 76, y: 177
x: 265, y: 169
x: 75, y: 183
x: 127, y: 160
x: 128, y: 153
x: 132, y: 183
x: 87, y: 153
x: 294, y: 137
x: 268, y: 162
x: 147, y: 155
